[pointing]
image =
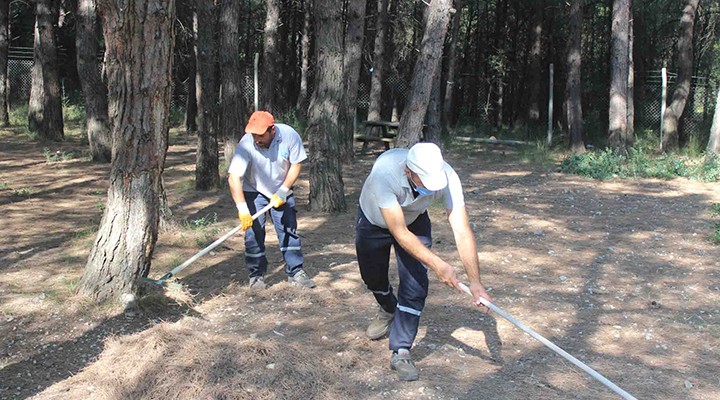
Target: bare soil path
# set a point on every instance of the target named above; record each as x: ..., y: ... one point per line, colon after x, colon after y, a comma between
x: 620, y: 274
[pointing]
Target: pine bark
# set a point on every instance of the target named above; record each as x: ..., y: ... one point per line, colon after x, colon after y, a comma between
x: 302, y: 101
x: 45, y: 106
x: 353, y: 52
x: 94, y: 89
x: 671, y: 119
x: 534, y: 63
x: 206, y: 165
x: 574, y: 80
x: 426, y: 66
x: 619, y: 71
x: 325, y: 166
x: 140, y: 46
x: 4, y: 48
x: 378, y: 66
x: 270, y: 55
x: 232, y: 108
x: 448, y: 112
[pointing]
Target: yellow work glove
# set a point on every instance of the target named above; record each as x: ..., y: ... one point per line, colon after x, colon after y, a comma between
x: 280, y: 197
x: 246, y: 220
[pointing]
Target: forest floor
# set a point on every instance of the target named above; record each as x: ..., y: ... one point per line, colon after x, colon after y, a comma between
x: 621, y: 274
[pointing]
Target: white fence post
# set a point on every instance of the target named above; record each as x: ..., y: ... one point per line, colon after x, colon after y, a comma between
x: 662, y: 104
x: 550, y: 107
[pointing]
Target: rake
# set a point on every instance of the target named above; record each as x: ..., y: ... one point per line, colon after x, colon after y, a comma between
x: 204, y: 251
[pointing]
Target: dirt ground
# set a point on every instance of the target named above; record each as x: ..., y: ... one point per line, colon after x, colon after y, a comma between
x: 619, y: 274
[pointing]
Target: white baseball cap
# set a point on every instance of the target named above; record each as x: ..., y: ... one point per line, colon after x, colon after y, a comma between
x: 425, y: 159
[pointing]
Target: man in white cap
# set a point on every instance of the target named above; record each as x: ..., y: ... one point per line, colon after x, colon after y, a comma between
x: 264, y: 168
x: 393, y: 213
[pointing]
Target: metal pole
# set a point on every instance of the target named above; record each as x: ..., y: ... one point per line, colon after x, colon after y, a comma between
x: 257, y: 61
x: 662, y: 104
x: 550, y: 107
x: 552, y: 346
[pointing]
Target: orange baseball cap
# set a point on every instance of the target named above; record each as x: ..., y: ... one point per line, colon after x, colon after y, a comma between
x: 259, y: 122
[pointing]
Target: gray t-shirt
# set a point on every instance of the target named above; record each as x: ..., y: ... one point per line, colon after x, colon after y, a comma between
x: 264, y: 170
x: 388, y: 185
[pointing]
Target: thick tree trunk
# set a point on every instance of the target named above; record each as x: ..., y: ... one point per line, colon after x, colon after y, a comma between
x: 433, y: 130
x: 206, y: 166
x: 413, y: 116
x: 535, y: 66
x: 233, y: 111
x: 94, y: 89
x: 325, y: 166
x: 713, y: 146
x: 140, y: 43
x: 617, y: 128
x: 4, y: 47
x: 45, y: 106
x: 378, y: 66
x: 448, y: 112
x: 270, y: 55
x: 351, y: 70
x: 302, y: 101
x: 670, y: 135
x: 574, y: 81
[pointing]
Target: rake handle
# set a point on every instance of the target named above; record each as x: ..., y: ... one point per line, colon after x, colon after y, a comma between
x: 551, y: 345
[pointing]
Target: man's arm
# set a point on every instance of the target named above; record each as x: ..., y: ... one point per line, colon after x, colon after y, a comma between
x: 465, y: 242
x: 292, y: 175
x: 395, y: 221
x: 235, y: 182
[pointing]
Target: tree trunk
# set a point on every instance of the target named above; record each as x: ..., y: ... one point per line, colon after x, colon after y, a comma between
x: 325, y: 166
x: 140, y: 39
x: 270, y: 55
x: 185, y: 16
x: 535, y: 65
x: 45, y: 106
x: 206, y: 165
x: 433, y: 130
x: 378, y: 66
x: 4, y: 47
x: 618, y: 117
x: 94, y: 89
x: 574, y: 81
x: 233, y: 115
x: 413, y: 116
x: 448, y: 113
x: 713, y: 146
x: 670, y: 136
x: 631, y: 78
x: 351, y: 71
x: 302, y: 102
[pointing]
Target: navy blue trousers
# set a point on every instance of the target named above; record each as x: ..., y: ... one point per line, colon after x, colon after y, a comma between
x: 372, y: 244
x: 284, y: 219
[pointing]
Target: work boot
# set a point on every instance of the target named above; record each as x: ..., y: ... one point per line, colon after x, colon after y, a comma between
x: 405, y: 367
x: 379, y: 326
x: 301, y: 279
x: 257, y: 282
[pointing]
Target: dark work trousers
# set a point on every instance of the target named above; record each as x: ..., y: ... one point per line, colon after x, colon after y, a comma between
x: 372, y: 244
x: 285, y: 220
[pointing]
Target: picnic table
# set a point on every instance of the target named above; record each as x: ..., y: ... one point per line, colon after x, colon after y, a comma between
x: 388, y: 131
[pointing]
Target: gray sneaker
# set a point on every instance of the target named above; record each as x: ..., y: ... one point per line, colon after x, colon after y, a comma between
x: 257, y: 282
x: 301, y: 279
x: 380, y: 326
x: 405, y: 367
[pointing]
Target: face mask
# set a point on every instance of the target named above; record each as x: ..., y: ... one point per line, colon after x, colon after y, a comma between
x: 421, y: 190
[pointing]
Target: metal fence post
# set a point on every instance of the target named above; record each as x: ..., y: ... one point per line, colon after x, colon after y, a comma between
x: 255, y: 77
x: 550, y: 107
x: 662, y: 103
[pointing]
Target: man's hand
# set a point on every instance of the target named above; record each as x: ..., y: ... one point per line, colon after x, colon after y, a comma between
x: 280, y: 197
x: 246, y: 220
x: 478, y: 290
x: 446, y: 273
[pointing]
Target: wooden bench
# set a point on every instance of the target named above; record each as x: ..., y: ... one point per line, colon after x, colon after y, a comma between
x: 388, y: 129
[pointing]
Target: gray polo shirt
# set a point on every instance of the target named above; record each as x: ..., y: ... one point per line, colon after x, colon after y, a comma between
x: 264, y: 170
x: 388, y: 185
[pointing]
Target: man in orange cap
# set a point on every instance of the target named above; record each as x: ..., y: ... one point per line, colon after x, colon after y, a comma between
x: 264, y: 168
